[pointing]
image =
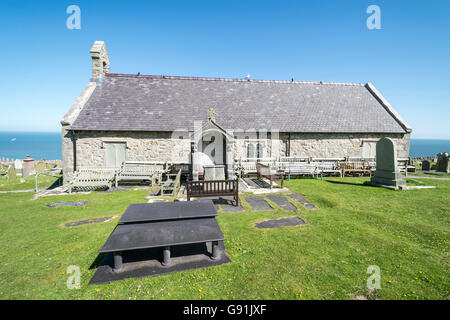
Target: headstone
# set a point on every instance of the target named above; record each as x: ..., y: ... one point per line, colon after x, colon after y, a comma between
x: 443, y: 162
x: 41, y: 165
x: 387, y: 173
x: 18, y: 164
x: 214, y: 172
x: 11, y: 172
x: 28, y: 162
x: 25, y: 172
x: 426, y: 165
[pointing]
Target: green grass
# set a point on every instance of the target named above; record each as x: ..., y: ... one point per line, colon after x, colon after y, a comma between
x: 405, y: 233
x: 442, y: 175
x: 30, y: 183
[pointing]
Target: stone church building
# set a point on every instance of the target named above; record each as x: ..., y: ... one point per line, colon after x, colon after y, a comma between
x: 198, y: 121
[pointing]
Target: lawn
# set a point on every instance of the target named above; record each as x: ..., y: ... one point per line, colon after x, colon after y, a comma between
x: 29, y: 183
x: 405, y: 233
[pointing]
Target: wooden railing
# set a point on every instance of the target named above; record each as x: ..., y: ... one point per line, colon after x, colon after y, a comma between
x: 213, y: 188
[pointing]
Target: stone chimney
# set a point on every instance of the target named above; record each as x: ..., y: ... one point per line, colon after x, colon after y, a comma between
x: 100, y: 60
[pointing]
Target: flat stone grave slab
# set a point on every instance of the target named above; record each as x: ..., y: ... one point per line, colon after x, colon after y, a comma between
x: 226, y: 203
x: 276, y: 223
x: 158, y: 211
x: 258, y: 203
x: 147, y: 262
x: 67, y: 204
x: 256, y: 183
x: 162, y: 233
x: 281, y: 201
x: 300, y: 198
x: 89, y: 221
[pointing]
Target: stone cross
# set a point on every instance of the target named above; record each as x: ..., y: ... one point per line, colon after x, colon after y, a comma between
x: 387, y: 173
x: 211, y: 115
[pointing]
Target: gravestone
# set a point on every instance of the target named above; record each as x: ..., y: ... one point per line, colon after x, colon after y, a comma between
x: 18, y: 164
x: 28, y: 162
x: 11, y: 174
x: 214, y: 172
x: 426, y: 165
x: 443, y: 162
x: 25, y: 172
x: 387, y: 173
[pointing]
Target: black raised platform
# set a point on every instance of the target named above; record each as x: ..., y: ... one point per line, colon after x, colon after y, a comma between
x: 147, y: 263
x: 141, y: 212
x: 158, y: 238
x: 162, y: 233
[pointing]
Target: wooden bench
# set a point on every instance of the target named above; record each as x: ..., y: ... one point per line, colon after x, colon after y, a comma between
x: 358, y: 167
x: 327, y: 168
x: 265, y: 171
x: 89, y: 177
x: 213, y: 188
x: 172, y: 183
x: 140, y: 171
x: 298, y: 168
x: 247, y: 166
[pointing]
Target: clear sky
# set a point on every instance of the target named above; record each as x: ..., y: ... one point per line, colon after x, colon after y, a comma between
x: 45, y: 65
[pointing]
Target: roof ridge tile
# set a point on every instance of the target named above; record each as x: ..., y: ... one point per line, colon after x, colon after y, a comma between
x: 125, y: 75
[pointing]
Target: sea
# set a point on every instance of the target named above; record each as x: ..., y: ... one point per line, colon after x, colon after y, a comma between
x: 47, y: 145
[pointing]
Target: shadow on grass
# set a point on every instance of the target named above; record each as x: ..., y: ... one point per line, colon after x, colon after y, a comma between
x: 57, y: 183
x: 97, y: 262
x: 141, y: 255
x: 349, y: 183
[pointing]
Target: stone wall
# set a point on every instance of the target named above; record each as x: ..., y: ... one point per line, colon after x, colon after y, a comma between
x: 322, y: 145
x: 163, y: 146
x: 90, y: 148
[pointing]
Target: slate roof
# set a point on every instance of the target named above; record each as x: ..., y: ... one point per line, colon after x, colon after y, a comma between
x: 165, y: 103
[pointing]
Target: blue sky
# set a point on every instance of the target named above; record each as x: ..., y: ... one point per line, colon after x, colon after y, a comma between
x: 45, y: 66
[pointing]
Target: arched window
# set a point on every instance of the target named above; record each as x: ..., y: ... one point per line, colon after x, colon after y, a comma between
x: 255, y: 150
x: 250, y: 150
